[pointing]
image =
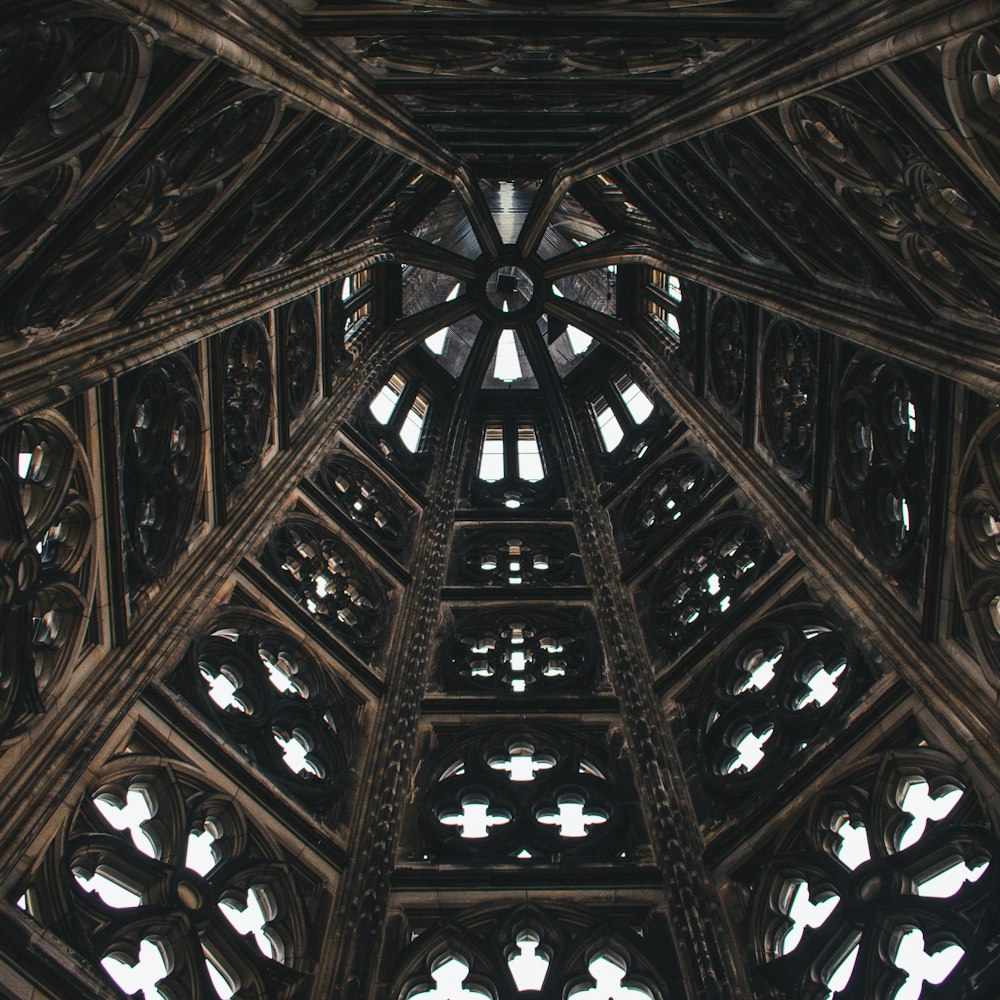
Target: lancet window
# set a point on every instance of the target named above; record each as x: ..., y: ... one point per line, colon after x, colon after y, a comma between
x: 778, y: 688
x: 657, y: 508
x: 297, y: 333
x: 882, y: 888
x: 550, y: 952
x: 162, y: 464
x: 161, y: 880
x: 510, y: 469
x: 626, y: 419
x: 516, y: 557
x: 396, y: 419
x: 664, y: 301
x: 700, y: 583
x: 357, y: 295
x: 882, y: 463
x: 370, y: 503
x: 524, y: 794
x: 47, y: 562
x: 514, y: 651
x: 272, y: 699
x: 328, y: 580
x: 246, y: 400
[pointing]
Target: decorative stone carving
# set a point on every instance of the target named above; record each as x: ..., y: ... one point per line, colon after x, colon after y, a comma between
x: 162, y: 463
x: 525, y: 794
x: 702, y: 580
x: 519, y: 651
x: 515, y: 557
x: 47, y: 562
x: 257, y: 686
x: 788, y: 395
x: 297, y: 339
x: 770, y: 694
x: 727, y: 350
x: 246, y: 400
x: 326, y: 578
x: 882, y: 465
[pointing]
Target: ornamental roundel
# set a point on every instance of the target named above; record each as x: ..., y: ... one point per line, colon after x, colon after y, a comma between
x: 328, y: 580
x: 270, y: 698
x: 788, y: 378
x: 524, y: 794
x: 882, y: 885
x: 246, y: 399
x: 658, y: 506
x: 162, y: 463
x: 159, y: 876
x: 47, y: 562
x: 881, y: 460
x: 370, y: 504
x: 727, y: 352
x: 778, y: 688
x: 297, y: 337
x: 977, y: 541
x: 968, y: 66
x: 548, y: 952
x: 701, y: 582
x: 514, y: 651
x: 888, y: 185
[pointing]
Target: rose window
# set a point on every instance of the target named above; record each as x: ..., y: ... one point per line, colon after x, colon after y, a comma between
x: 882, y: 886
x: 270, y: 698
x: 165, y: 884
x: 659, y: 504
x: 328, y: 580
x: 774, y: 691
x: 367, y: 501
x: 511, y: 652
x: 517, y: 557
x: 700, y: 584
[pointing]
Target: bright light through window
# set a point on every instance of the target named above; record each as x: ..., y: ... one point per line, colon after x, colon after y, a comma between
x: 453, y: 294
x: 579, y: 341
x: 435, y: 342
x: 507, y: 365
x: 413, y: 425
x: 383, y: 405
x: 607, y: 424
x: 529, y: 458
x: 491, y: 459
x: 636, y: 400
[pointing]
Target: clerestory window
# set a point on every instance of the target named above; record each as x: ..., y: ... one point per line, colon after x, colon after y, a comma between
x: 621, y: 408
x: 402, y: 408
x: 509, y: 463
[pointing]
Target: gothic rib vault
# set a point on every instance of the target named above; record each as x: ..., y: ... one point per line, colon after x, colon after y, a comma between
x: 499, y: 499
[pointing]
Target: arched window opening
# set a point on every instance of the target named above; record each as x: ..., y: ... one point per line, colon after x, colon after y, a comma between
x: 886, y: 878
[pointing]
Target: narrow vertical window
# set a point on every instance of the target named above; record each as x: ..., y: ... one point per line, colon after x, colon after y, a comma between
x: 384, y: 404
x: 507, y: 365
x: 413, y: 425
x: 636, y: 401
x: 491, y: 468
x: 607, y: 423
x: 529, y: 457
